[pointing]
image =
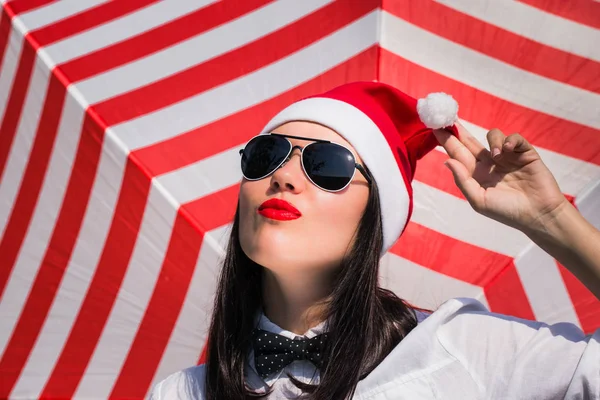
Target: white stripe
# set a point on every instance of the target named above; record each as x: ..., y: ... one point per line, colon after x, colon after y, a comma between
x: 421, y: 286
x: 488, y: 74
x: 454, y: 217
x: 571, y: 173
x: 203, y: 177
x: 218, y: 239
x: 545, y: 287
x: 240, y: 93
x: 8, y: 71
x: 25, y: 134
x: 530, y: 22
x: 189, y: 334
x: 133, y: 298
x: 44, y: 353
x: 83, y: 262
x: 197, y: 50
x: 121, y: 29
x: 587, y: 203
x: 53, y: 12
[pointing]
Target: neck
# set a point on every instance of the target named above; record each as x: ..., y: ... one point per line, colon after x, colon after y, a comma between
x: 295, y: 301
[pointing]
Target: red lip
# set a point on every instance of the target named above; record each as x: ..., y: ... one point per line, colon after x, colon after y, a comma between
x: 279, y: 209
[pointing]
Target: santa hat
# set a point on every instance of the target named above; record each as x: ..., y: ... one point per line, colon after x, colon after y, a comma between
x: 390, y: 131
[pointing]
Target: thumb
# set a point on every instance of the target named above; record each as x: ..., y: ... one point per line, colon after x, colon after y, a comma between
x: 465, y: 182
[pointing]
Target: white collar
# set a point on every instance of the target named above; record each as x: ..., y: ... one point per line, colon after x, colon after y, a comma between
x: 266, y: 324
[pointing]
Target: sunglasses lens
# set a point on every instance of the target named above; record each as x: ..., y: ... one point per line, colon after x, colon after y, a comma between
x: 262, y: 155
x: 328, y: 165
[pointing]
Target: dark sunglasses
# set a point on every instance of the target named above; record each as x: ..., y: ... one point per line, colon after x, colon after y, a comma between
x: 330, y: 166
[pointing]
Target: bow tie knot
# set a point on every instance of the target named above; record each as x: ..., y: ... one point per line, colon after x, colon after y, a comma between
x: 273, y: 352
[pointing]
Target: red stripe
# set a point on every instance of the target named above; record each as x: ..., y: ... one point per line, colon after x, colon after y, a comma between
x: 27, y: 197
x: 14, y: 107
x: 202, y: 77
x: 495, y: 272
x: 449, y: 256
x: 158, y: 38
x: 106, y: 282
x: 152, y: 337
x: 215, y: 210
x: 210, y: 139
x: 506, y: 295
x: 33, y: 314
x: 87, y: 19
x: 17, y: 7
x: 5, y: 29
x: 431, y: 171
x: 202, y: 358
x: 498, y: 43
x: 543, y: 130
x: 582, y: 11
x: 67, y: 27
x: 586, y: 305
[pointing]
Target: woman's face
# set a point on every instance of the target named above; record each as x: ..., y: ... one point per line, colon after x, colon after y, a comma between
x: 323, y: 233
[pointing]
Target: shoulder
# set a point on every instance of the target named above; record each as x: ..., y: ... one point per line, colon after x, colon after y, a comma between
x: 461, y: 320
x: 464, y: 348
x: 184, y: 384
x: 504, y: 354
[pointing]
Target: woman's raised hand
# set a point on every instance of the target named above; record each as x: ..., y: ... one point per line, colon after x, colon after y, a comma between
x: 508, y: 183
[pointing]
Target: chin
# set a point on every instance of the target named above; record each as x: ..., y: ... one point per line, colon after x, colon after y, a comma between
x: 296, y: 257
x: 281, y: 248
x: 273, y: 255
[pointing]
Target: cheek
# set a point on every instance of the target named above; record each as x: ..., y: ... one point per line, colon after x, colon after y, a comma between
x: 338, y: 216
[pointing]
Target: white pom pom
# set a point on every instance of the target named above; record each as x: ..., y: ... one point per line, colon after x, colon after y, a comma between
x: 437, y: 110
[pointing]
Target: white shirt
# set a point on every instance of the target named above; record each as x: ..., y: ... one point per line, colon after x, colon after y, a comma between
x: 461, y: 351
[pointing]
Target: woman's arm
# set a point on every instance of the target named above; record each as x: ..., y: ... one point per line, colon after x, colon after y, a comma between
x: 510, y: 184
x: 574, y: 242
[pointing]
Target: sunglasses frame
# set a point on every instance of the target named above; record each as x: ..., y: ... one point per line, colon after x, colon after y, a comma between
x: 357, y: 166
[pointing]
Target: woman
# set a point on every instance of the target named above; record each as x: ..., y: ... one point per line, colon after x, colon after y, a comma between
x: 326, y: 191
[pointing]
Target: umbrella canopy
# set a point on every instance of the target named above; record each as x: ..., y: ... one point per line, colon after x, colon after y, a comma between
x: 120, y: 124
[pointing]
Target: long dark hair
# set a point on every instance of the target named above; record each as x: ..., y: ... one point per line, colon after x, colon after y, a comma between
x: 365, y: 322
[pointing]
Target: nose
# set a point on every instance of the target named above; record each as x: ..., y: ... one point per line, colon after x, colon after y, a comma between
x: 290, y: 176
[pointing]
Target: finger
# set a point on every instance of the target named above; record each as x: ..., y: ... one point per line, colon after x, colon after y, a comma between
x: 466, y: 183
x: 472, y: 143
x: 456, y: 149
x: 496, y: 139
x: 516, y: 143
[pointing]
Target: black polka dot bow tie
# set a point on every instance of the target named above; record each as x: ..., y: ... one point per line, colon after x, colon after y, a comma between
x: 273, y: 352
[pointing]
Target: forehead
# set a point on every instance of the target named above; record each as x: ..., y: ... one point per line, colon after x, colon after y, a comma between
x: 314, y: 131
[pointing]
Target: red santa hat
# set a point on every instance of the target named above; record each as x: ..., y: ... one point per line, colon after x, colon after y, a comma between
x: 390, y: 131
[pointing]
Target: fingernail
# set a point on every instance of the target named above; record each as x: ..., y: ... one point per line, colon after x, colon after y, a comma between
x: 495, y: 152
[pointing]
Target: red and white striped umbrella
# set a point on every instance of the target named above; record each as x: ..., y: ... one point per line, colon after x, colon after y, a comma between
x: 120, y: 123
